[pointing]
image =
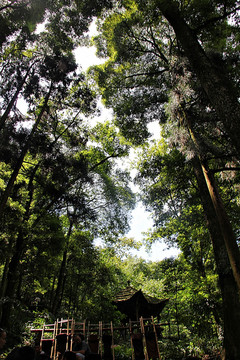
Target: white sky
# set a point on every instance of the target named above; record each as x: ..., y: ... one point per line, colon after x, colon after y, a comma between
x: 86, y: 57
x: 140, y: 223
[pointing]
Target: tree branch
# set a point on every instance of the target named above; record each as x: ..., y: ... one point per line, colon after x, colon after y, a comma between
x: 225, y: 168
x: 215, y: 19
x: 12, y: 6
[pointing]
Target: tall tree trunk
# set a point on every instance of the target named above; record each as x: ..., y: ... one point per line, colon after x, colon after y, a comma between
x: 228, y: 285
x: 19, y: 284
x: 10, y: 285
x: 52, y: 292
x: 219, y: 89
x: 6, y: 269
x: 231, y: 246
x: 4, y: 282
x: 14, y: 98
x: 20, y: 160
x: 225, y: 248
x: 4, y: 277
x: 62, y: 272
x: 12, y: 281
x: 224, y: 223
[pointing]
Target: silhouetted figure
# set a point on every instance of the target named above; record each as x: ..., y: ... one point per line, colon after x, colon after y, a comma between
x: 80, y: 347
x: 61, y: 343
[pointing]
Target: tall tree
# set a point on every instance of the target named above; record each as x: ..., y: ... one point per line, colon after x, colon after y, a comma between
x: 34, y: 188
x: 143, y: 49
x: 217, y: 85
x: 174, y: 197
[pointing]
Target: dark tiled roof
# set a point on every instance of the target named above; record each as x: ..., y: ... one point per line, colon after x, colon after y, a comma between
x: 129, y: 291
x: 152, y: 300
x: 125, y: 294
x: 133, y: 303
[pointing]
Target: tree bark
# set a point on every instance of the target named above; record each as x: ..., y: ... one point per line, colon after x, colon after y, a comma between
x: 60, y: 285
x: 231, y: 246
x: 14, y: 98
x: 225, y: 249
x: 12, y: 276
x: 228, y: 285
x: 224, y: 223
x: 6, y: 269
x: 12, y: 281
x: 20, y: 160
x: 219, y: 89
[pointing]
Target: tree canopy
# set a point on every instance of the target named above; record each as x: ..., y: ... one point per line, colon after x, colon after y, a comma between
x: 62, y: 185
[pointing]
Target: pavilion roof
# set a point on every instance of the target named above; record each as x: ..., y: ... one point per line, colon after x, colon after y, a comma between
x: 134, y: 303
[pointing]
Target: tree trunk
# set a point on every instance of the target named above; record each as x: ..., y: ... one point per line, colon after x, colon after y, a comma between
x: 12, y: 281
x: 57, y: 298
x: 228, y: 286
x: 225, y: 225
x: 219, y: 89
x: 20, y: 160
x: 13, y: 100
x: 6, y: 269
x: 52, y: 292
x: 12, y: 276
x: 231, y: 246
x: 4, y: 283
x: 4, y: 277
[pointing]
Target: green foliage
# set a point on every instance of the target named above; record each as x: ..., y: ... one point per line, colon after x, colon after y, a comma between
x: 61, y: 179
x: 60, y: 187
x: 122, y: 352
x: 150, y: 75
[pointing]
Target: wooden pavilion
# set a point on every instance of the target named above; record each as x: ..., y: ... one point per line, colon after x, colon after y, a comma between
x: 140, y: 312
x: 135, y: 304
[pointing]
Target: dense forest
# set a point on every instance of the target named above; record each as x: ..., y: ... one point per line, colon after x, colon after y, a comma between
x: 66, y: 175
